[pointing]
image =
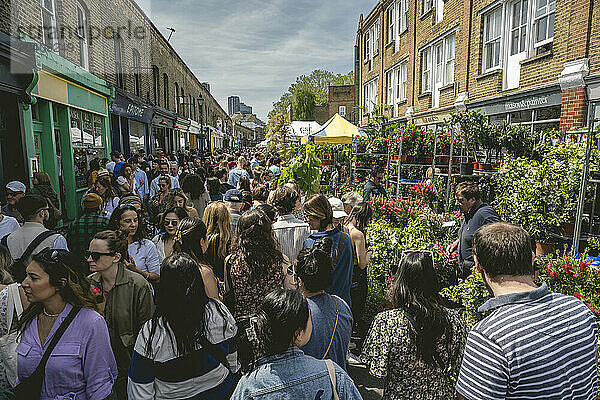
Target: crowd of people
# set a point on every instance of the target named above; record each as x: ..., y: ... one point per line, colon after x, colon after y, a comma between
x: 206, y: 277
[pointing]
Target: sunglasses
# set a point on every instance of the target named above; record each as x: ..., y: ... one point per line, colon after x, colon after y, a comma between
x: 172, y: 222
x: 163, y: 185
x: 96, y: 255
x: 11, y: 194
x: 291, y: 270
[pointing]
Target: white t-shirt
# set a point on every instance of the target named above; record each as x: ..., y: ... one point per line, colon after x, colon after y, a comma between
x: 8, y: 225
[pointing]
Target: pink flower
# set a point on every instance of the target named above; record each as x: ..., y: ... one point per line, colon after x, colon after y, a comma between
x: 578, y: 295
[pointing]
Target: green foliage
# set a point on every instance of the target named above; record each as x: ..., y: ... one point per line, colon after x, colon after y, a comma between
x: 471, y: 293
x: 277, y: 132
x: 317, y: 82
x: 303, y: 105
x: 540, y: 195
x: 305, y: 170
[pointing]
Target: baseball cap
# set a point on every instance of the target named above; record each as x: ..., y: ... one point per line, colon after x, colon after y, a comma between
x: 233, y: 195
x: 16, y: 186
x: 337, y: 207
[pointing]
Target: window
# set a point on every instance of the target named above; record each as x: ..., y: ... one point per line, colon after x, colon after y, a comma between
x: 342, y: 111
x: 371, y: 41
x: 156, y: 81
x: 368, y: 45
x: 427, y: 5
x: 118, y: 43
x: 449, y: 68
x: 182, y: 102
x: 370, y: 89
x: 49, y: 30
x: 518, y: 30
x: 391, y: 18
x: 136, y: 72
x: 544, y: 21
x: 426, y: 71
x: 166, y: 90
x: 437, y: 63
x: 403, y: 16
x: 389, y: 78
x: 82, y: 29
x: 401, y: 83
x: 492, y: 35
x: 176, y: 97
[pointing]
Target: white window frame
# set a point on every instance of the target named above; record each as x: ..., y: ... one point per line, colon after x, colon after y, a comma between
x: 389, y: 78
x: 404, y: 15
x: 53, y: 42
x: 401, y: 82
x: 391, y: 18
x: 371, y: 41
x: 367, y: 45
x: 548, y: 11
x: 137, y: 82
x: 82, y: 30
x: 370, y: 91
x: 426, y: 68
x: 489, y: 43
x: 427, y: 5
x: 342, y: 111
x: 429, y: 62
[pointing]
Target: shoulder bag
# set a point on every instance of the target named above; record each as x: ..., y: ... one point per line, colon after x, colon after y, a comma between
x: 8, y: 342
x: 30, y: 388
x: 17, y: 269
x: 332, y: 379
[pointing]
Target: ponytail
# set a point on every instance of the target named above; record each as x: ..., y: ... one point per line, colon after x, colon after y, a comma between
x: 315, y: 266
x: 272, y: 329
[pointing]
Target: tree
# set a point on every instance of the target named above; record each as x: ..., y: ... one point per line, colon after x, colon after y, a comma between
x: 303, y: 105
x: 317, y: 83
x: 277, y: 132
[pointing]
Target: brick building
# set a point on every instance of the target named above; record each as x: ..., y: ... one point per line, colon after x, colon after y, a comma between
x: 87, y: 77
x: 341, y: 100
x: 528, y: 62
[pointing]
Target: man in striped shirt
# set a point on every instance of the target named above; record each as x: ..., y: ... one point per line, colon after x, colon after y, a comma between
x: 534, y: 344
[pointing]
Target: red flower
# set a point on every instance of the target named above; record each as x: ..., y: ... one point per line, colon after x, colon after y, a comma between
x: 578, y: 295
x: 96, y: 291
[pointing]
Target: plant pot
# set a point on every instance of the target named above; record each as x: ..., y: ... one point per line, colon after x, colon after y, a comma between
x: 486, y: 166
x: 394, y: 157
x: 477, y: 166
x: 403, y: 157
x: 428, y: 160
x: 442, y: 159
x: 466, y: 168
x: 411, y: 159
x: 455, y: 160
x: 541, y: 249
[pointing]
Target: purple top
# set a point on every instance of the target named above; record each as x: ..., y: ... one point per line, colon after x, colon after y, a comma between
x: 82, y: 365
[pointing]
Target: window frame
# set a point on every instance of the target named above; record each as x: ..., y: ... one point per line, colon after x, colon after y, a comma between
x: 544, y: 16
x: 166, y: 90
x: 391, y: 18
x: 427, y: 8
x: 342, y: 111
x: 487, y: 41
x: 82, y: 32
x: 118, y: 48
x: 370, y: 93
x: 426, y: 69
x: 137, y: 60
x: 53, y: 38
x: 156, y: 85
x: 447, y: 60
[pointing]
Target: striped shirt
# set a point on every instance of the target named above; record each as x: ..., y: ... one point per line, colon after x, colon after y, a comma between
x: 291, y: 233
x: 166, y: 375
x: 533, y: 345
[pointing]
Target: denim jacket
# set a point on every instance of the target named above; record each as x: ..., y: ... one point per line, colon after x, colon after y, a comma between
x: 293, y: 375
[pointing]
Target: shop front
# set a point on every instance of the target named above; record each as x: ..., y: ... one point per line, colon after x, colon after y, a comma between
x: 130, y: 123
x: 182, y: 128
x: 163, y: 123
x: 68, y: 125
x: 539, y: 109
x: 17, y: 65
x: 196, y: 139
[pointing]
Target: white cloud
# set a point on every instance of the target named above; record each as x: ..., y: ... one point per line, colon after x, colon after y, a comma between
x: 256, y: 49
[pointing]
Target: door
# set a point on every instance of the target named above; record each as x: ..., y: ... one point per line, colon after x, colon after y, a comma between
x: 517, y: 46
x: 438, y: 73
x: 62, y: 191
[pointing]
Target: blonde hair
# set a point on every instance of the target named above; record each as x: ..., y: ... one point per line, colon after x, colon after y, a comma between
x: 218, y: 224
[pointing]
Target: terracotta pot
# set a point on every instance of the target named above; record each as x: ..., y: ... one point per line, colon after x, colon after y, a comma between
x: 486, y: 166
x: 411, y: 158
x: 403, y: 157
x: 542, y: 249
x: 394, y: 157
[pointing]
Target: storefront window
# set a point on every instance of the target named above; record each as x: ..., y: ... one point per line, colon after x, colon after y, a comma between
x: 544, y: 114
x: 520, y: 117
x: 86, y: 136
x: 137, y: 133
x: 496, y: 119
x: 545, y: 126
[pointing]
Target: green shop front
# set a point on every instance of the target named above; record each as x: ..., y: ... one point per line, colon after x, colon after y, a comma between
x: 69, y: 127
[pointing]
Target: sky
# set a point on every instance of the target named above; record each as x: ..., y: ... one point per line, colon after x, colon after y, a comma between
x: 256, y: 49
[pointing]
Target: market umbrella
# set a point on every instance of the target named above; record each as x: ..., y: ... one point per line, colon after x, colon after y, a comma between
x: 336, y: 131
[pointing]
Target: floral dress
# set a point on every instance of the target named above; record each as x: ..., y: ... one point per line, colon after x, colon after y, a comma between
x: 4, y: 384
x: 250, y: 292
x: 390, y: 354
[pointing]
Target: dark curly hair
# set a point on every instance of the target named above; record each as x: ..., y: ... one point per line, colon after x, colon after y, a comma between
x: 315, y: 266
x: 65, y: 273
x: 255, y: 243
x: 194, y: 185
x: 115, y: 221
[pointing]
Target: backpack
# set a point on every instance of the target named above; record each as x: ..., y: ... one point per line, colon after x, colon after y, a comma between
x: 17, y: 269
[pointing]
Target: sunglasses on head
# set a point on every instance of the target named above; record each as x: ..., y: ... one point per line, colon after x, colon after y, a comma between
x: 96, y: 255
x: 176, y: 190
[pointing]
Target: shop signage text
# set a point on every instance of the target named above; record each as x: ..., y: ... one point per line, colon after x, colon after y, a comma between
x: 526, y: 104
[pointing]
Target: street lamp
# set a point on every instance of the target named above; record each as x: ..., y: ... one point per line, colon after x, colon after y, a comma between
x: 200, y: 106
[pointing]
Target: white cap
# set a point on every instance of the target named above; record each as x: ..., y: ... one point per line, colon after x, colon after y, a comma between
x: 337, y: 207
x: 16, y: 186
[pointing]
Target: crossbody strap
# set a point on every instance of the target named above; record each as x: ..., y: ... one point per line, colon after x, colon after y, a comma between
x: 13, y: 304
x: 337, y: 314
x: 340, y: 247
x: 35, y: 243
x: 332, y: 379
x: 57, y: 335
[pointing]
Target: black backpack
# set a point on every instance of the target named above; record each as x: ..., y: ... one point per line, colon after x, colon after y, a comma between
x: 17, y: 269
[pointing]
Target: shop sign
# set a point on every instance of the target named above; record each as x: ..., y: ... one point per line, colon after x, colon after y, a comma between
x: 523, y: 103
x: 129, y: 109
x: 432, y: 119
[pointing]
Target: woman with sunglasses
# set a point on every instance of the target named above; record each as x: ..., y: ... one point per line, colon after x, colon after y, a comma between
x: 158, y: 203
x: 126, y: 296
x: 83, y: 366
x: 103, y: 188
x: 331, y: 316
x: 165, y: 240
x: 141, y: 250
x: 414, y: 345
x: 278, y: 369
x: 177, y: 198
x: 187, y: 349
